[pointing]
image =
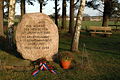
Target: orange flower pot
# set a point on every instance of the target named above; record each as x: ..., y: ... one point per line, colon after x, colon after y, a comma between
x: 65, y: 64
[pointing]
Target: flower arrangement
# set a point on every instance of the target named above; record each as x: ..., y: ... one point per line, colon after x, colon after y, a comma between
x: 65, y: 59
x: 66, y: 55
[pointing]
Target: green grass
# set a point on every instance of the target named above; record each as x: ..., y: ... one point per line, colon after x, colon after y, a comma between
x: 87, y: 24
x: 101, y: 61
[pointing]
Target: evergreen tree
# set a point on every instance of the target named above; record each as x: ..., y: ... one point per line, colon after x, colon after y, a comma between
x: 110, y: 7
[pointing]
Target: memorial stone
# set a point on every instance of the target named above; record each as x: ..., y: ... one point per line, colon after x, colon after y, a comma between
x: 37, y: 37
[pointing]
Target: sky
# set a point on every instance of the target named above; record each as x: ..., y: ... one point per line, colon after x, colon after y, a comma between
x: 48, y: 9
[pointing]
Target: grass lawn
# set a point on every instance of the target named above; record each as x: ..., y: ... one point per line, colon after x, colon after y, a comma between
x: 99, y: 60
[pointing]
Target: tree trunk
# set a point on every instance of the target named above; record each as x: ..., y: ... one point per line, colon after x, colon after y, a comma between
x: 64, y: 15
x: 71, y: 22
x: 7, y: 1
x: 11, y: 23
x: 105, y: 19
x: 3, y: 11
x: 11, y: 13
x: 56, y: 13
x: 41, y: 5
x: 1, y: 18
x: 22, y: 7
x: 8, y: 8
x: 106, y: 13
x: 75, y: 41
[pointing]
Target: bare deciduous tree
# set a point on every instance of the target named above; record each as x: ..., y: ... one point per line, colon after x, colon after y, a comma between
x: 1, y: 18
x: 75, y: 41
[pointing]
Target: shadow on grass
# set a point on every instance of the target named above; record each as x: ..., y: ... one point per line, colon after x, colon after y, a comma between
x: 64, y: 46
x: 4, y: 46
x: 103, y: 51
x: 63, y: 49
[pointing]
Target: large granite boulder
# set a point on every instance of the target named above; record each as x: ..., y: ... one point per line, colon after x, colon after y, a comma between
x: 37, y: 37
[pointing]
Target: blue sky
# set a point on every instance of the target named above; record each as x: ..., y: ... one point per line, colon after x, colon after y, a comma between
x: 48, y: 9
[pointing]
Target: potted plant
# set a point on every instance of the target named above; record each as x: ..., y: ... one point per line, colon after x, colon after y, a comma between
x: 66, y: 58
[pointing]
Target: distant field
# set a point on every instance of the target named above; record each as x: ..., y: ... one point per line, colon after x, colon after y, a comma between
x: 87, y: 24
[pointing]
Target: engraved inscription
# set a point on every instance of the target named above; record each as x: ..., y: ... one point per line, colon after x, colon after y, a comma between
x: 36, y: 36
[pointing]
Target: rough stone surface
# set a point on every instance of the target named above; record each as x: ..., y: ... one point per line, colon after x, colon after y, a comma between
x: 37, y: 37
